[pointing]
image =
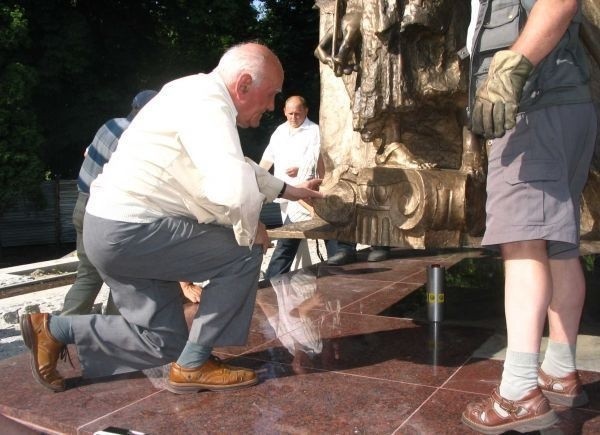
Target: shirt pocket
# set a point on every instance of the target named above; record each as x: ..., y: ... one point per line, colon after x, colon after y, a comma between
x: 506, y: 20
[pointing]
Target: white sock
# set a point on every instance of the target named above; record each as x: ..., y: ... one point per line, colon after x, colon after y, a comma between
x: 559, y: 359
x: 520, y: 374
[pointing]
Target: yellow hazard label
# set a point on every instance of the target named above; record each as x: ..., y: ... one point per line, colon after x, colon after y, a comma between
x: 432, y: 299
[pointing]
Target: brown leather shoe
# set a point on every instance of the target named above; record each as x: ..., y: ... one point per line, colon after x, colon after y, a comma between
x: 531, y: 413
x: 565, y: 391
x: 212, y: 375
x: 45, y: 350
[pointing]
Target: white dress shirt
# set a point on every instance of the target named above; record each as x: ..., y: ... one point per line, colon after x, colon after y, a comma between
x: 294, y: 147
x: 181, y: 156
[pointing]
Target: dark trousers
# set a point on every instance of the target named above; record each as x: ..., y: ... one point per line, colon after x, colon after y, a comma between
x: 284, y: 253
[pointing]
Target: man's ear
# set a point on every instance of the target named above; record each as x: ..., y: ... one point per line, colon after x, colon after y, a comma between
x: 243, y: 84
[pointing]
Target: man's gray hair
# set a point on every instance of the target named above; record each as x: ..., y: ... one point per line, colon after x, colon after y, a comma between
x: 240, y: 59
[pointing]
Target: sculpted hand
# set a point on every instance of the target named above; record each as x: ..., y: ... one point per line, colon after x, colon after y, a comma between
x: 497, y: 99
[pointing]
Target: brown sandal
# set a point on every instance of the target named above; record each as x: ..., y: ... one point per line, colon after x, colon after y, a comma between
x: 531, y: 413
x: 566, y: 391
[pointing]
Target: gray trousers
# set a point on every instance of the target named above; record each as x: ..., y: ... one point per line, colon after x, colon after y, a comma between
x: 142, y: 264
x: 82, y: 294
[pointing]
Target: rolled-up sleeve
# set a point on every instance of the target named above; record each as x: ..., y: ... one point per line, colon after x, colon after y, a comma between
x: 268, y: 185
x: 228, y: 187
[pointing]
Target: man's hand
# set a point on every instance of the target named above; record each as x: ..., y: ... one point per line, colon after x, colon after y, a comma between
x: 497, y: 99
x: 305, y: 191
x: 292, y: 172
x: 262, y: 237
x: 191, y: 291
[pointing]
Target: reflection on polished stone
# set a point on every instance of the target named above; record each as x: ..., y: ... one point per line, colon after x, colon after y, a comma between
x: 338, y: 350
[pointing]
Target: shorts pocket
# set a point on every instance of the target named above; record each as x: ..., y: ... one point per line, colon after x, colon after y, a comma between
x: 535, y: 191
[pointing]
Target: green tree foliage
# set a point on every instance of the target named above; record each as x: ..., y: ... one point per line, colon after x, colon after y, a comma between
x: 69, y: 65
x: 95, y: 56
x: 92, y: 57
x: 291, y: 29
x: 21, y: 169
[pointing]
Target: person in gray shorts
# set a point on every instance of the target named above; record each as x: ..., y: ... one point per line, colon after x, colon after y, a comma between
x: 531, y: 99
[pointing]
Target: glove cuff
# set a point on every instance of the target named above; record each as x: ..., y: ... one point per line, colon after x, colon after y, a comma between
x: 512, y: 62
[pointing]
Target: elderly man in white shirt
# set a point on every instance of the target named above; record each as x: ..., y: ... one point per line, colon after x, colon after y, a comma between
x: 294, y: 150
x: 177, y: 202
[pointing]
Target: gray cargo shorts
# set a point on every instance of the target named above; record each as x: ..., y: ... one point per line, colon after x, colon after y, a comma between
x: 536, y: 174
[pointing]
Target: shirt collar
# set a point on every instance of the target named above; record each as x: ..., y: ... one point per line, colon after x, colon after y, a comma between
x: 302, y: 126
x: 216, y: 77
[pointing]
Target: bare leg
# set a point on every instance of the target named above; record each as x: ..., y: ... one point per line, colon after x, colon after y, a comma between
x: 528, y: 291
x: 518, y: 403
x: 564, y: 312
x: 558, y: 374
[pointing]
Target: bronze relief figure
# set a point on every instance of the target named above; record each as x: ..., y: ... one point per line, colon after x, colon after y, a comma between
x: 402, y: 168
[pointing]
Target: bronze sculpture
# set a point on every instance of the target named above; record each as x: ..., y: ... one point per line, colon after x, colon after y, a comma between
x: 402, y: 170
x: 407, y: 174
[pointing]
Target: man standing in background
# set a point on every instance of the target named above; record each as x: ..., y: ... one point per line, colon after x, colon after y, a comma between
x: 82, y: 294
x: 294, y: 150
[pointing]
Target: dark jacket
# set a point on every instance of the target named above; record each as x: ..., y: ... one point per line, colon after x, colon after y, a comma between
x: 561, y: 78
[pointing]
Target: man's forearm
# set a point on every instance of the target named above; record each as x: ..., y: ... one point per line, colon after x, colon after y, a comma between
x: 546, y: 24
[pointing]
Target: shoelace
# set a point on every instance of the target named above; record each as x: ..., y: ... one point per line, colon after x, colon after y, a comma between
x: 64, y: 355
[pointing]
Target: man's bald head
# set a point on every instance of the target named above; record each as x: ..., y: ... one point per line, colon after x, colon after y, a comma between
x: 250, y: 57
x: 295, y: 110
x: 253, y: 76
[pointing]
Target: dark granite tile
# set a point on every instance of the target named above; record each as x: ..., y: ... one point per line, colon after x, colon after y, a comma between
x: 378, y: 347
x: 578, y: 421
x: 393, y: 270
x: 277, y: 314
x: 477, y: 376
x: 441, y: 415
x: 591, y: 384
x: 403, y: 266
x: 382, y: 300
x: 261, y: 333
x: 340, y: 364
x: 482, y: 376
x: 473, y: 290
x: 317, y: 402
x: 23, y: 398
x: 333, y: 291
x: 339, y: 293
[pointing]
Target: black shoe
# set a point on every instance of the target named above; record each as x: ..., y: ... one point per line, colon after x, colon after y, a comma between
x: 341, y: 258
x: 379, y: 253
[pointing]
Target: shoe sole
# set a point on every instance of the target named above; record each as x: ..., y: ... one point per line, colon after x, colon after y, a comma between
x: 178, y: 388
x: 341, y: 262
x: 377, y: 259
x: 564, y: 400
x: 28, y: 334
x: 538, y: 423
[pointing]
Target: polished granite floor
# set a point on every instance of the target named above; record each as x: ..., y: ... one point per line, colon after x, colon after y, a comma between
x: 339, y: 350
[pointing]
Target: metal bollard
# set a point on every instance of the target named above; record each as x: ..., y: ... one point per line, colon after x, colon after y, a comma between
x: 435, y: 293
